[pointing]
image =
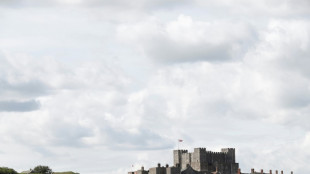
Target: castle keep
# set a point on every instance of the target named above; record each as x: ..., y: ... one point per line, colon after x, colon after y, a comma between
x: 201, y: 161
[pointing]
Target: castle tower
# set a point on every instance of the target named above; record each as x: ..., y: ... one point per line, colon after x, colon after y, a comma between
x: 177, y: 157
x: 230, y: 154
x: 199, y: 159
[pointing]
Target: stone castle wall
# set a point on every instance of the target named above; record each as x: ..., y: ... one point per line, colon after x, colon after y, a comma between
x: 203, y: 160
x: 200, y: 160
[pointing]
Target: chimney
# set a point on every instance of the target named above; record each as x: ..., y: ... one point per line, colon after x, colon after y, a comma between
x: 276, y: 171
x: 239, y: 171
x: 270, y: 171
x: 291, y: 172
x: 252, y: 170
x: 167, y: 165
x: 261, y: 171
x: 158, y: 165
x: 281, y: 171
x: 142, y: 168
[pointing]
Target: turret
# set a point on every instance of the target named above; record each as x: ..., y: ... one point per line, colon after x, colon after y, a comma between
x: 230, y: 154
x: 177, y: 157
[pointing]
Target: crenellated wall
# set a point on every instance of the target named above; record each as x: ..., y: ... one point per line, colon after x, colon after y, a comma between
x: 230, y: 154
x: 203, y: 160
x: 172, y: 170
x: 157, y: 170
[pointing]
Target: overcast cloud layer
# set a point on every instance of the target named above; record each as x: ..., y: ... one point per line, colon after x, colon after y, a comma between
x: 98, y: 86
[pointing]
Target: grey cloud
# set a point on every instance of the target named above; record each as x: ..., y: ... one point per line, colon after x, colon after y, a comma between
x: 149, y: 4
x: 43, y: 151
x: 188, y: 40
x: 70, y: 135
x: 143, y: 140
x: 300, y: 6
x: 167, y: 51
x: 53, y: 133
x: 164, y: 4
x: 136, y: 4
x: 19, y: 106
x: 10, y: 2
x: 18, y: 4
x: 293, y: 98
x: 297, y: 59
x: 258, y: 9
x: 32, y: 88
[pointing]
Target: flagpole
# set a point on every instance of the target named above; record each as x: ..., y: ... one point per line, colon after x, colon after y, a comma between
x: 179, y: 140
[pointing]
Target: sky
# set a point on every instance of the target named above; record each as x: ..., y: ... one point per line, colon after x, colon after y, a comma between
x: 108, y: 86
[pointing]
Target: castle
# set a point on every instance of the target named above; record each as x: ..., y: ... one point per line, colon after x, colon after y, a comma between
x: 201, y: 161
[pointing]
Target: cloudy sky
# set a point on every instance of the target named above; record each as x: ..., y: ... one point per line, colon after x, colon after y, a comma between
x: 96, y: 86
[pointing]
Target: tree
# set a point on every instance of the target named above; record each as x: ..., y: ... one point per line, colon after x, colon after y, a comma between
x: 42, y: 170
x: 5, y: 170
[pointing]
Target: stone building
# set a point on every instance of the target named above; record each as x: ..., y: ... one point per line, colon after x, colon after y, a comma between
x: 200, y: 161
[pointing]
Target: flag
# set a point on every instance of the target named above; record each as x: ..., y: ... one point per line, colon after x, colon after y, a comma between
x: 180, y: 140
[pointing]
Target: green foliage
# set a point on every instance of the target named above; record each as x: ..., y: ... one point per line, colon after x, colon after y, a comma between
x: 65, y: 173
x: 5, y: 170
x: 42, y: 170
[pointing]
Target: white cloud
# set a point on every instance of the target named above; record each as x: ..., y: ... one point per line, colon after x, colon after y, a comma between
x: 87, y: 78
x: 281, y: 57
x: 185, y: 39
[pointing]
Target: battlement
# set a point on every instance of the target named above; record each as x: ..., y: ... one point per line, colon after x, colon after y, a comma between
x: 223, y: 151
x: 226, y: 150
x: 260, y: 172
x: 184, y: 151
x: 200, y: 149
x: 181, y: 151
x: 203, y: 162
x: 214, y: 153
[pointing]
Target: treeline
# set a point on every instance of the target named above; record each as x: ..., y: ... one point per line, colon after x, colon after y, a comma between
x: 6, y: 170
x: 37, y: 170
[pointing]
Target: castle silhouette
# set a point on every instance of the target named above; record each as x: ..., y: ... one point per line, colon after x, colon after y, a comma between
x: 201, y: 161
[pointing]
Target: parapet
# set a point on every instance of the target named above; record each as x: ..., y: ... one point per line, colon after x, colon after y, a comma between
x: 181, y: 151
x: 262, y: 172
x: 200, y: 149
x: 203, y: 160
x: 214, y: 153
x: 226, y: 150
